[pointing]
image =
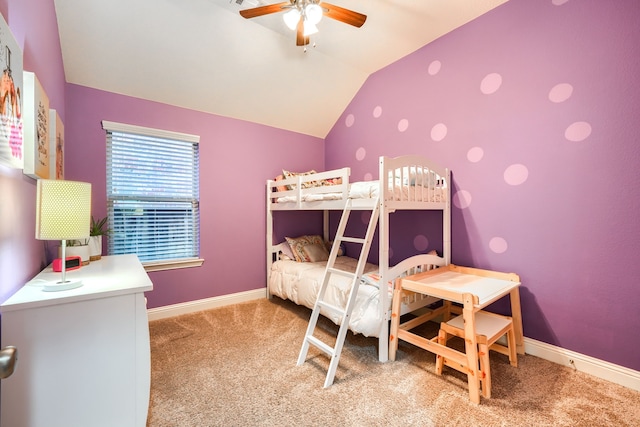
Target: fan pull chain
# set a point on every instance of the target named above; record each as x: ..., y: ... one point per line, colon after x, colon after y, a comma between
x: 305, y: 48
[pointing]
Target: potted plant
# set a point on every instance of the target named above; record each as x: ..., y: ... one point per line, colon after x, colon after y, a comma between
x: 96, y: 231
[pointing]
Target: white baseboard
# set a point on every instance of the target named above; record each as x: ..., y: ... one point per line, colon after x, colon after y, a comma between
x: 204, y: 304
x: 589, y: 365
x: 598, y: 368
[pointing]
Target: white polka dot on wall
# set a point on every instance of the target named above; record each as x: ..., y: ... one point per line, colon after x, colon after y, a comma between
x: 350, y: 120
x: 361, y: 153
x: 438, y: 132
x: 475, y: 154
x: 491, y: 83
x: 421, y: 243
x: 560, y: 92
x: 498, y: 245
x: 462, y: 199
x: 377, y: 112
x: 368, y: 176
x: 403, y: 125
x: 559, y: 2
x: 578, y: 131
x: 434, y: 67
x: 516, y: 174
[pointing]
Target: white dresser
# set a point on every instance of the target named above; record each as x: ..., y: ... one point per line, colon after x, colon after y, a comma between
x: 83, y: 354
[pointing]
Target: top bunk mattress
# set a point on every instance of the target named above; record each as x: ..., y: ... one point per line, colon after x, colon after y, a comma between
x: 403, y: 179
x: 371, y: 190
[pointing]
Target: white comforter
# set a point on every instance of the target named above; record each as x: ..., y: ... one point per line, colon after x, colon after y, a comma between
x: 300, y: 282
x: 371, y: 189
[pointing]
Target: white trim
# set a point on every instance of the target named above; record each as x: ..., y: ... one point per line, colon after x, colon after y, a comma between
x: 205, y: 304
x: 141, y: 130
x: 598, y: 368
x: 172, y: 264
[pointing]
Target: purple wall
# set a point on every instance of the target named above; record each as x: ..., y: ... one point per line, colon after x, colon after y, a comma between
x: 21, y: 255
x: 534, y: 107
x: 236, y: 159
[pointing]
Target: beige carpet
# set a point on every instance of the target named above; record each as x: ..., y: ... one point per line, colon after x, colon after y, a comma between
x: 236, y: 366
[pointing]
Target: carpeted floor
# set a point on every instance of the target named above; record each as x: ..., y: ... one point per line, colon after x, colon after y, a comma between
x: 236, y: 366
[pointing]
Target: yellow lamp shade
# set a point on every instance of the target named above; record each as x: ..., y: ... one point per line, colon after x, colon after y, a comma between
x: 63, y: 209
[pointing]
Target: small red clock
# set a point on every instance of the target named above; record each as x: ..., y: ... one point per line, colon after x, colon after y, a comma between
x: 73, y: 263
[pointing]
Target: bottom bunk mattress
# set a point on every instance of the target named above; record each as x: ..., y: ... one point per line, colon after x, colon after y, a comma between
x: 300, y: 282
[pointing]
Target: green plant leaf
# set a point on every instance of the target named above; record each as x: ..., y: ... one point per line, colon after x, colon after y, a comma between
x: 98, y: 227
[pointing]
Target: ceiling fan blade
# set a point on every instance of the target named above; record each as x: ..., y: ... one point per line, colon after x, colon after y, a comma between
x: 343, y: 15
x: 264, y: 10
x: 301, y: 40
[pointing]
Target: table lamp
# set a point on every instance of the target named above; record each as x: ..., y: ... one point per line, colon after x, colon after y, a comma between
x: 63, y: 212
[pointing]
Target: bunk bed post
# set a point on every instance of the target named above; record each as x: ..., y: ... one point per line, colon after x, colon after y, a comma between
x: 269, y: 238
x: 383, y: 263
x: 446, y: 222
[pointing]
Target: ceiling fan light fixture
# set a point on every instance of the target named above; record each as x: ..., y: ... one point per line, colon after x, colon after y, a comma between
x: 302, y: 16
x: 313, y: 12
x: 291, y: 18
x: 309, y: 28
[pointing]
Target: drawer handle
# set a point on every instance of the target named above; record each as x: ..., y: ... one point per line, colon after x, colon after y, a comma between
x: 8, y: 357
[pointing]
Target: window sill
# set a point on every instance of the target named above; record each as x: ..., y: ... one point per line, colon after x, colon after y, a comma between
x: 172, y: 264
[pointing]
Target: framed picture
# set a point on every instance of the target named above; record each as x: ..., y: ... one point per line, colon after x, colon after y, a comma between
x: 11, y: 88
x: 35, y: 121
x: 56, y: 147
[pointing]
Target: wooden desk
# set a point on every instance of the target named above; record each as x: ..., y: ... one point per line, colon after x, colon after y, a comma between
x: 474, y: 289
x: 83, y: 354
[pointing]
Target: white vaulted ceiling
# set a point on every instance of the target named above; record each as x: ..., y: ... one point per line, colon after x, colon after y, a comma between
x: 202, y: 55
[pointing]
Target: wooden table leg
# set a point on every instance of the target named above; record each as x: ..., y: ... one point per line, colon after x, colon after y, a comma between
x: 471, y: 348
x: 395, y: 322
x: 516, y: 315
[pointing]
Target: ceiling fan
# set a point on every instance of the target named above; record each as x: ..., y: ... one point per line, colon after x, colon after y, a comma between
x: 303, y: 15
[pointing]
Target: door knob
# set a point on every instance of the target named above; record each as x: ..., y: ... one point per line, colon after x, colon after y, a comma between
x: 8, y: 357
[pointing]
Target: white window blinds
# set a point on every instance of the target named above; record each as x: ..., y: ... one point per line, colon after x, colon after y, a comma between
x: 152, y: 193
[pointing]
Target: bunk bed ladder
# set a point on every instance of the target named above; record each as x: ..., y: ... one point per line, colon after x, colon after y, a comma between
x: 343, y: 312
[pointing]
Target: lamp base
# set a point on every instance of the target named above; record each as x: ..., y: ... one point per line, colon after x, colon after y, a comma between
x: 61, y: 286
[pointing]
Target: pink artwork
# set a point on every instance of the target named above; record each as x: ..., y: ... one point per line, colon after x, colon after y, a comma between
x: 56, y: 147
x: 11, y: 90
x: 37, y: 150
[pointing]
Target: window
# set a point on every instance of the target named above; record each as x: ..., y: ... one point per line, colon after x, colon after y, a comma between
x: 153, y: 195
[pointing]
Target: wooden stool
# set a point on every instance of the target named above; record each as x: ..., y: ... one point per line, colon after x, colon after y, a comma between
x: 489, y: 328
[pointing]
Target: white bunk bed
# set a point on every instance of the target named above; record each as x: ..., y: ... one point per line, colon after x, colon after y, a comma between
x: 405, y: 183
